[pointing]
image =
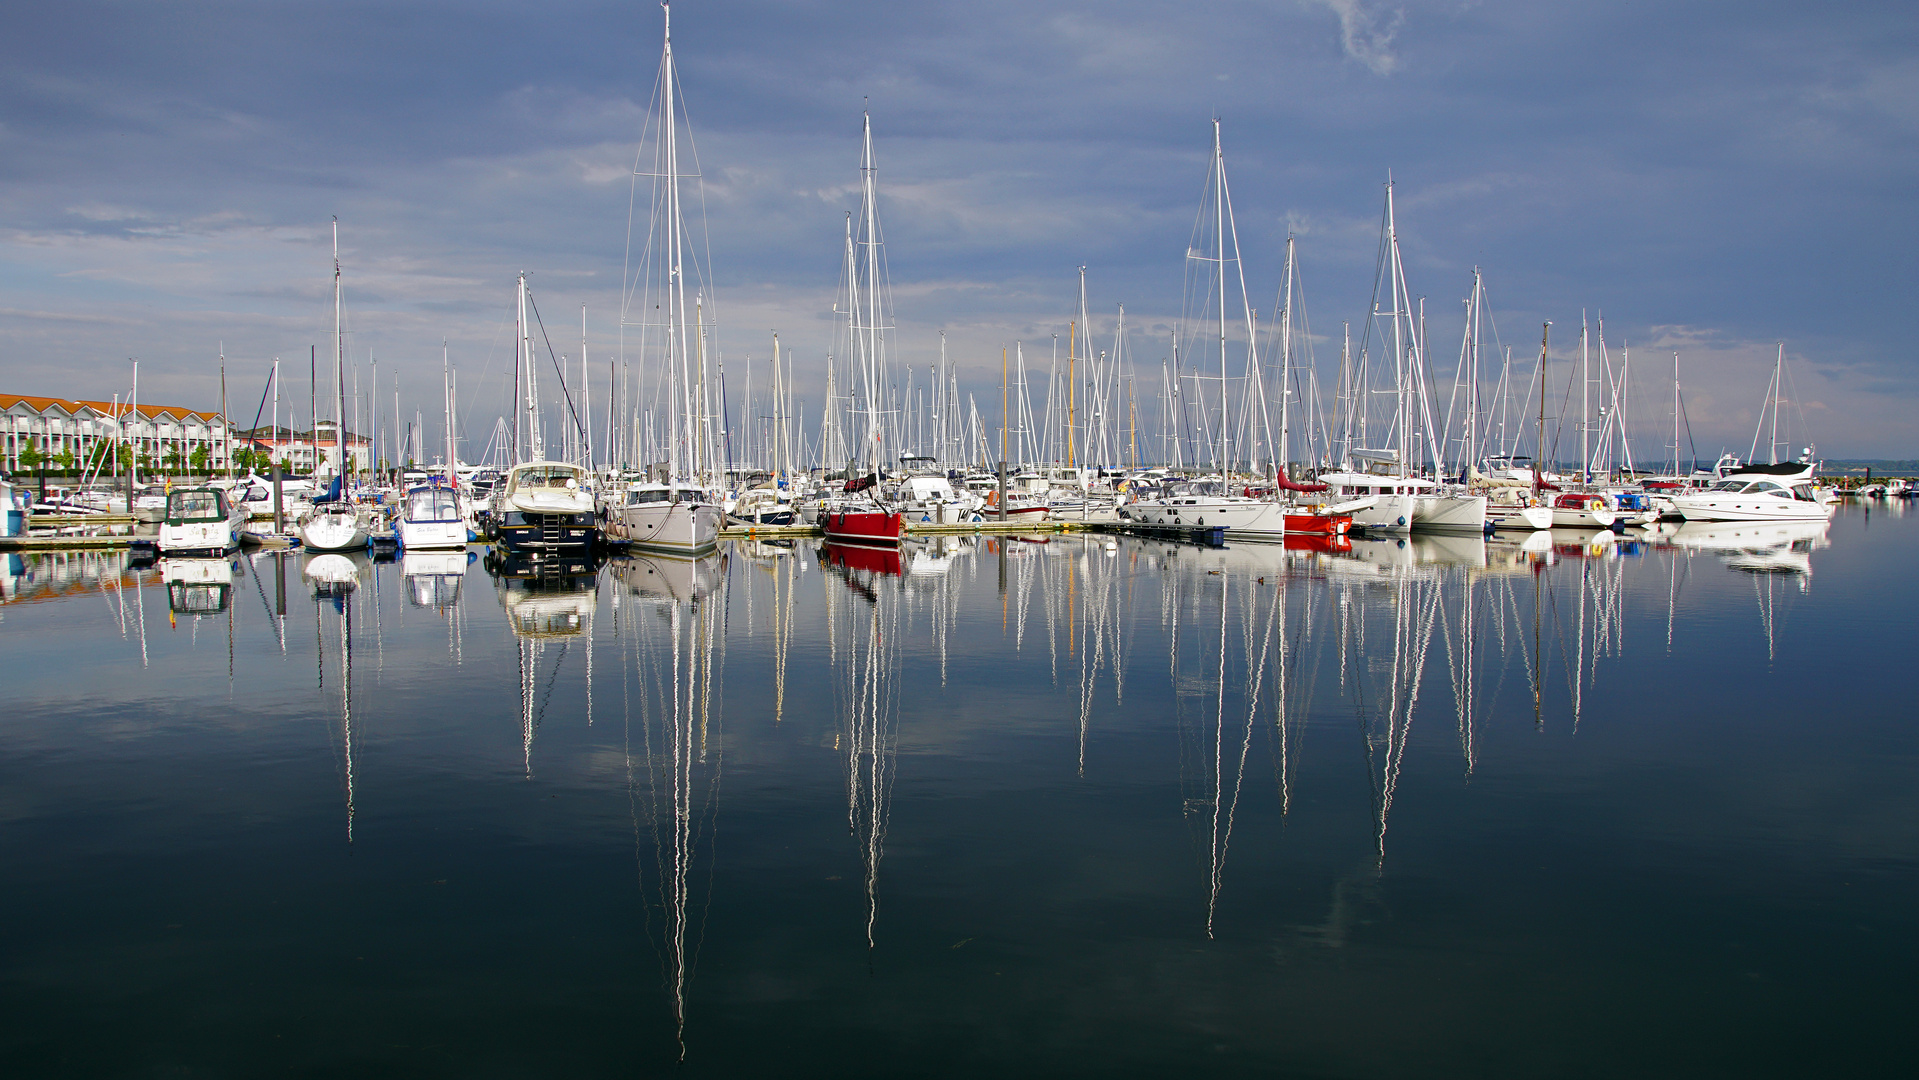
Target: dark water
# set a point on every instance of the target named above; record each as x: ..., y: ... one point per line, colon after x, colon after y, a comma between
x: 1598, y: 809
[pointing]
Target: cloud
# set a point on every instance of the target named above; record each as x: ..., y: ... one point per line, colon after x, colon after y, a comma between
x: 1363, y: 36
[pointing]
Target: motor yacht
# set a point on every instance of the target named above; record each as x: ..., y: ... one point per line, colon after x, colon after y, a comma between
x: 201, y: 520
x: 1781, y: 492
x: 545, y: 506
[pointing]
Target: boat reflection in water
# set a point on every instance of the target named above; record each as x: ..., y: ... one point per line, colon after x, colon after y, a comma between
x: 665, y: 577
x: 433, y: 577
x: 669, y: 623
x: 863, y: 645
x: 1761, y: 547
x: 333, y: 576
x: 197, y: 586
x: 336, y: 581
x: 549, y: 600
x: 859, y: 563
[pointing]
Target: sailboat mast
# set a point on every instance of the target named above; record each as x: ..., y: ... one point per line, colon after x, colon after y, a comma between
x: 1284, y: 448
x: 446, y: 395
x: 678, y: 348
x: 1545, y: 334
x: 1219, y: 249
x: 869, y: 231
x: 1778, y: 393
x: 339, y: 363
x: 1585, y: 409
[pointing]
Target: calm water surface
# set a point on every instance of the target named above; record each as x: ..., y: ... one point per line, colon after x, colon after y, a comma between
x: 1574, y: 808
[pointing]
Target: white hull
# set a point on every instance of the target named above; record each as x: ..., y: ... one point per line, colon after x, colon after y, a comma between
x: 1520, y: 517
x: 333, y: 530
x: 1387, y: 514
x: 1568, y: 518
x: 215, y: 537
x: 1733, y: 507
x: 1449, y: 513
x: 1205, y: 511
x: 432, y: 535
x: 683, y: 527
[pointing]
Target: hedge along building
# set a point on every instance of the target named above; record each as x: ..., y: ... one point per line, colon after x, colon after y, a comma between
x: 55, y: 426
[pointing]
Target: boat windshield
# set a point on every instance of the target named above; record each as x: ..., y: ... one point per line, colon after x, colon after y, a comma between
x: 195, y: 506
x: 549, y: 476
x: 1729, y: 485
x: 637, y: 496
x: 431, y: 504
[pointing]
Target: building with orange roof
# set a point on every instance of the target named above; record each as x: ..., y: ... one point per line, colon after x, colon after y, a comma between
x: 56, y: 426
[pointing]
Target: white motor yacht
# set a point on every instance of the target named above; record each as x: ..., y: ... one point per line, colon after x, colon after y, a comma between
x: 1782, y: 492
x: 201, y: 520
x: 430, y: 519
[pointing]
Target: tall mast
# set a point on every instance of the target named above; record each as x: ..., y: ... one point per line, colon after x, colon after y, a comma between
x: 678, y: 348
x: 535, y: 441
x: 1219, y: 249
x: 586, y: 399
x: 1675, y: 414
x: 1778, y: 393
x: 339, y: 363
x: 446, y: 394
x: 871, y: 303
x: 1544, y: 334
x: 1585, y: 409
x: 1283, y: 450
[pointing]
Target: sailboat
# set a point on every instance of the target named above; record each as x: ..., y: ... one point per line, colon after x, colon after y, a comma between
x: 675, y: 512
x: 859, y: 515
x: 543, y: 507
x: 1403, y: 499
x: 334, y: 523
x: 1214, y: 503
x: 430, y: 516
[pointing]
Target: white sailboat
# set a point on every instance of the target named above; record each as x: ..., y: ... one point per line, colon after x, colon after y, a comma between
x: 333, y: 523
x: 677, y: 512
x: 1405, y: 500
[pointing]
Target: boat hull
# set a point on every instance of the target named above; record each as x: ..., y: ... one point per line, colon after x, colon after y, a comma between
x: 684, y: 528
x: 432, y: 535
x: 215, y: 538
x: 540, y: 533
x: 1520, y: 517
x: 1747, y: 508
x: 1449, y: 513
x: 333, y: 531
x: 862, y: 526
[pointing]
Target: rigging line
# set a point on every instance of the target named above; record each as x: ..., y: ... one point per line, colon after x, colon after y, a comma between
x: 556, y: 363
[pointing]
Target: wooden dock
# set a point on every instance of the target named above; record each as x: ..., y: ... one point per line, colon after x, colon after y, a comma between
x: 63, y: 543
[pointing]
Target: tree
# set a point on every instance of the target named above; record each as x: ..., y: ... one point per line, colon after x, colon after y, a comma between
x: 67, y: 460
x: 243, y: 459
x: 200, y: 458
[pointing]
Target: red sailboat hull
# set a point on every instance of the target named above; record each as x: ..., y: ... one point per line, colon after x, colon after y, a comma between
x: 862, y: 526
x: 1318, y: 524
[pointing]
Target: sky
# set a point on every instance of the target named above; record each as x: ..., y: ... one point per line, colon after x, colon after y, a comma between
x: 1713, y: 179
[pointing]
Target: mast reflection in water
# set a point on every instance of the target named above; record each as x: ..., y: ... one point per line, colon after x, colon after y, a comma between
x: 1065, y: 804
x: 669, y: 624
